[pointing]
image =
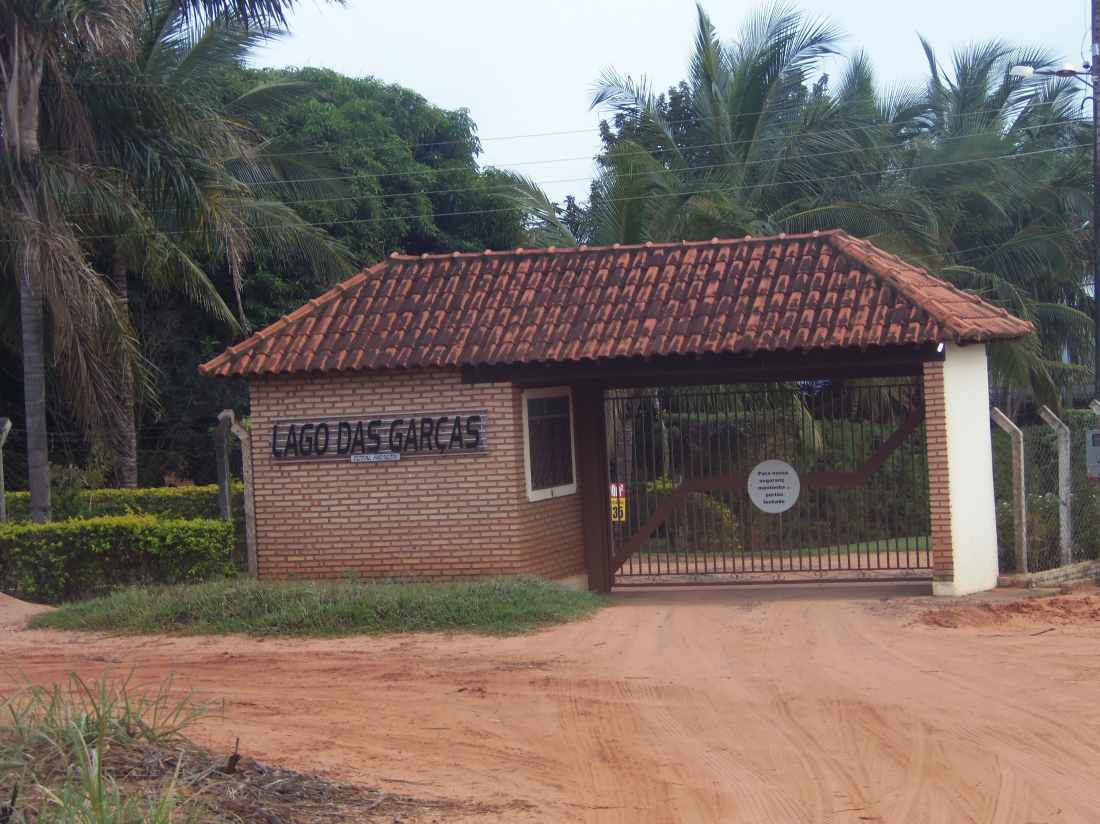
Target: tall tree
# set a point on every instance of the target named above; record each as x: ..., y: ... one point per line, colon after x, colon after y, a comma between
x: 208, y: 182
x: 36, y: 37
x: 39, y: 39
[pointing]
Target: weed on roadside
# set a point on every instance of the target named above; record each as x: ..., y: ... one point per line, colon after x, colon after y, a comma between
x: 109, y: 752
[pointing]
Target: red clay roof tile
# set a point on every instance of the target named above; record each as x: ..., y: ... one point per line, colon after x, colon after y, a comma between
x: 793, y: 292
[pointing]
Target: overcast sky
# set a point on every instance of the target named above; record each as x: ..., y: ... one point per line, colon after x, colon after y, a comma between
x: 525, y: 68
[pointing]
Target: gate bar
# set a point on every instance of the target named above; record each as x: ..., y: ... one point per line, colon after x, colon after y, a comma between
x: 842, y: 479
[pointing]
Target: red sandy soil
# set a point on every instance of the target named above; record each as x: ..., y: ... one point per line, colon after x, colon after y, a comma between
x: 752, y: 704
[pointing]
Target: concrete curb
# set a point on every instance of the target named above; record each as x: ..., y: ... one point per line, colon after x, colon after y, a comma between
x: 1073, y: 572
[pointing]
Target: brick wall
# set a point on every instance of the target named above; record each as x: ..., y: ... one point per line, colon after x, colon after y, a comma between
x: 939, y: 486
x: 441, y: 518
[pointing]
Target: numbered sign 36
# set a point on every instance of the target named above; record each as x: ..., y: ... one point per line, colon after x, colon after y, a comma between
x: 774, y: 486
x: 618, y: 503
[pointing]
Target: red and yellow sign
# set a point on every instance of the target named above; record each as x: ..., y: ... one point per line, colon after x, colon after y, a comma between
x: 618, y: 503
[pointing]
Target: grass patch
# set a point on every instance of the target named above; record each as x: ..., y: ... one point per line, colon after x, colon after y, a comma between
x: 313, y: 609
x: 111, y: 752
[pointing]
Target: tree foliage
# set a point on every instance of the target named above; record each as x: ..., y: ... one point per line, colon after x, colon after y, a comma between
x: 228, y: 187
x: 977, y: 176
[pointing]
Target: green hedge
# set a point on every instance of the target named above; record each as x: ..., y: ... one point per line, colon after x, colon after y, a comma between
x: 171, y: 502
x: 64, y: 560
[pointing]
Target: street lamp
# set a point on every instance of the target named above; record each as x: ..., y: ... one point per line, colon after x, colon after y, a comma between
x: 1069, y: 70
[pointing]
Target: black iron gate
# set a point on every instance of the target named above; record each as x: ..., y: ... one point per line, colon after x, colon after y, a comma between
x: 682, y: 460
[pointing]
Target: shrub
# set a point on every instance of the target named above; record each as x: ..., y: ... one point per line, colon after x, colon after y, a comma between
x: 68, y: 559
x: 170, y: 502
x: 702, y: 523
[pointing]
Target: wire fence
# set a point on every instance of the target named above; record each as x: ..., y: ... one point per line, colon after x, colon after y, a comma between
x: 1045, y: 501
x: 182, y: 454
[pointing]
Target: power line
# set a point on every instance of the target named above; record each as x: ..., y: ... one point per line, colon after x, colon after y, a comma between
x: 643, y: 151
x: 347, y: 221
x: 768, y: 161
x: 739, y: 114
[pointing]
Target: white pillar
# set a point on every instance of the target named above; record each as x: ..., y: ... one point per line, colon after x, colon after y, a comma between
x: 969, y: 475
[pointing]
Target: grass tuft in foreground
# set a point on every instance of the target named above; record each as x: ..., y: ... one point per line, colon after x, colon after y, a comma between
x: 110, y: 752
x: 494, y: 606
x: 58, y: 745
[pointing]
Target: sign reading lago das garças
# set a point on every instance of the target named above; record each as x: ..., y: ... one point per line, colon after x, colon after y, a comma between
x: 380, y: 437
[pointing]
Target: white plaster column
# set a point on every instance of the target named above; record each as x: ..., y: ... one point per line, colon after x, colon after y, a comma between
x: 969, y: 472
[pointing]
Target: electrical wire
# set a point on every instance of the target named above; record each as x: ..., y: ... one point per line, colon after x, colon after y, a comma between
x: 789, y: 159
x: 716, y: 190
x: 641, y: 152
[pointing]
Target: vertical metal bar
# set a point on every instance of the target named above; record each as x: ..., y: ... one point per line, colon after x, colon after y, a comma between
x: 878, y: 511
x: 701, y: 509
x: 925, y: 512
x: 862, y: 456
x: 1095, y: 70
x: 796, y: 435
x: 906, y: 460
x: 870, y: 513
x: 822, y: 522
x: 733, y: 428
x: 828, y: 464
x: 641, y: 473
x: 5, y: 428
x: 749, y: 454
x: 769, y: 439
x: 890, y: 487
x: 844, y: 530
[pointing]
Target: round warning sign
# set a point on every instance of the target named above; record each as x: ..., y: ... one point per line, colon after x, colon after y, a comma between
x: 774, y: 486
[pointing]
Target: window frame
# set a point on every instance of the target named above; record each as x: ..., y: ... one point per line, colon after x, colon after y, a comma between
x: 550, y: 491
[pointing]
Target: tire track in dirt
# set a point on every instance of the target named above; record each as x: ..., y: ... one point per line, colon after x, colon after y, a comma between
x: 1021, y: 746
x: 770, y: 800
x: 756, y: 789
x: 773, y: 706
x: 830, y: 774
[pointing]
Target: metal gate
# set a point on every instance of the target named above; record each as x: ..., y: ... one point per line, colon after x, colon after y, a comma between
x: 681, y: 460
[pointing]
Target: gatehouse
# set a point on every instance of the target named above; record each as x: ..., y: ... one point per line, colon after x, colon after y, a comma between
x: 790, y: 408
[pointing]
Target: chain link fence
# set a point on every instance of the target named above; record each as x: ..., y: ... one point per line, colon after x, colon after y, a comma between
x: 186, y: 454
x: 1044, y: 507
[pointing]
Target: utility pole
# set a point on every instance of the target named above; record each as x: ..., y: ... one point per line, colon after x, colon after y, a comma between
x: 1094, y: 67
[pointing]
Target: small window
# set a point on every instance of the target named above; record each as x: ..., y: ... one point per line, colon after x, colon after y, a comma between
x: 548, y: 443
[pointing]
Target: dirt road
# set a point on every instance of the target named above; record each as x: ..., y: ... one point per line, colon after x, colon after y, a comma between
x: 842, y: 704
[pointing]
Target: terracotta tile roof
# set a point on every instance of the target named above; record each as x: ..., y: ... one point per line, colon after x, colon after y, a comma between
x: 794, y: 292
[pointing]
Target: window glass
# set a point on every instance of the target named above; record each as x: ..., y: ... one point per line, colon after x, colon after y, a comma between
x: 550, y: 442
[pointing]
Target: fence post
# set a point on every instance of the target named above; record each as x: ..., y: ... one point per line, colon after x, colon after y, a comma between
x: 1064, y: 482
x: 245, y: 437
x: 5, y: 428
x: 221, y: 455
x: 1019, y: 493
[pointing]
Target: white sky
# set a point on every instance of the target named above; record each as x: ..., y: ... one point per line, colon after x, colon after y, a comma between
x: 525, y: 68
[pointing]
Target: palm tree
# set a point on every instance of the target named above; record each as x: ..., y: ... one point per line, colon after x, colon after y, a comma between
x: 38, y: 40
x: 1000, y: 169
x: 975, y: 176
x: 207, y: 181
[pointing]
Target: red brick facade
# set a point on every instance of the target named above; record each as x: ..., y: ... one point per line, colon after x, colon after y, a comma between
x: 439, y: 518
x: 939, y: 482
